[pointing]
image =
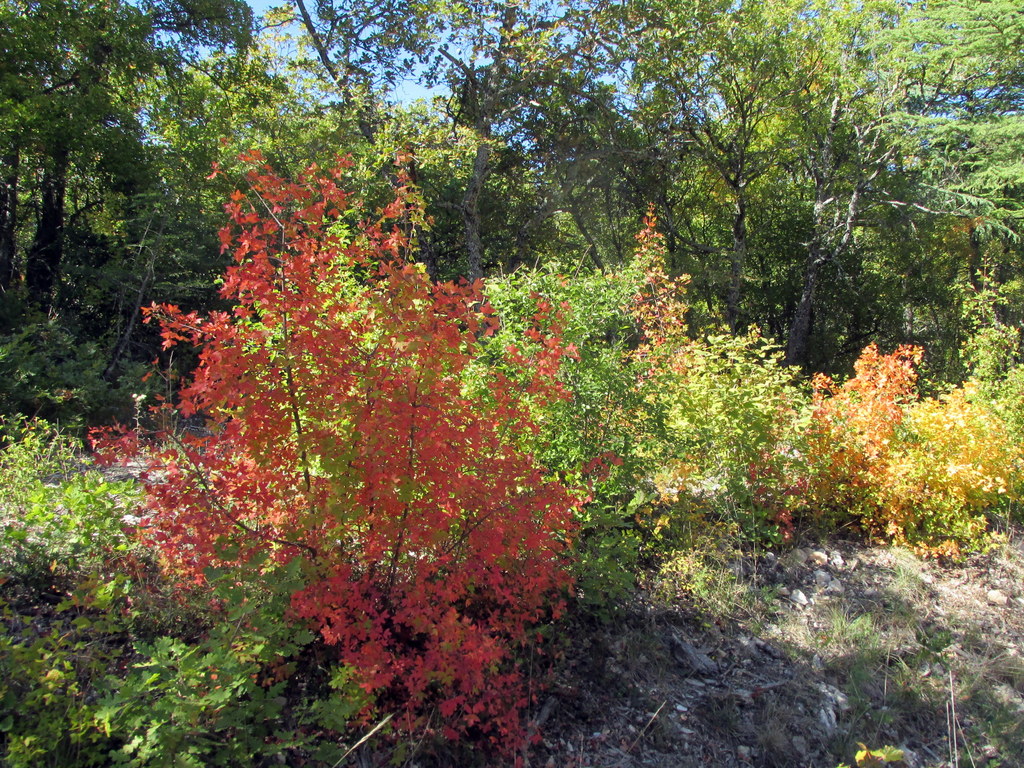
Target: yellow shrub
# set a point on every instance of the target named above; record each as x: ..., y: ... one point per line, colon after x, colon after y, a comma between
x: 954, y: 461
x: 917, y: 472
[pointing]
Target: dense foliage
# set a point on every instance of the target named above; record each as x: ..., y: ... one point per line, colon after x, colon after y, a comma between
x: 813, y: 169
x: 369, y: 485
x: 352, y: 434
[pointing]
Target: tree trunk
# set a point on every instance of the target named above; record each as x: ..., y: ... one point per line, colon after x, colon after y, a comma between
x: 42, y: 267
x: 471, y: 212
x: 737, y: 262
x: 800, y: 329
x: 8, y: 220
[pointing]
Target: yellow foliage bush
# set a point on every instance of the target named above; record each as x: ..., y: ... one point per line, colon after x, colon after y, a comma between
x: 916, y: 472
x: 851, y: 433
x: 955, y: 459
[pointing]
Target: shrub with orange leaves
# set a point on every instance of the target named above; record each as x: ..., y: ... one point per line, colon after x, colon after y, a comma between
x: 852, y: 428
x: 919, y: 473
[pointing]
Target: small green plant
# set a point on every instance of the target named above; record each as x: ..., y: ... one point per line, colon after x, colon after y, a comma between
x: 702, y: 572
x: 62, y: 547
x: 77, y: 690
x: 220, y: 699
x: 67, y: 531
x: 31, y: 450
x: 598, y: 434
x: 49, y: 667
x: 60, y: 523
x: 732, y: 420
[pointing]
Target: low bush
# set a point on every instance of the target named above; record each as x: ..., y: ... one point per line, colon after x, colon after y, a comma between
x: 733, y: 417
x: 241, y: 693
x: 61, y: 522
x: 851, y: 432
x: 350, y: 438
x: 917, y: 472
x: 598, y: 436
x: 954, y: 462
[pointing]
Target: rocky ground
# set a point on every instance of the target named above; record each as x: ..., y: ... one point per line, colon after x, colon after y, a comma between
x: 793, y: 659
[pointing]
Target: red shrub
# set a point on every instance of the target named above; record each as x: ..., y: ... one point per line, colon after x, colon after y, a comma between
x: 354, y: 428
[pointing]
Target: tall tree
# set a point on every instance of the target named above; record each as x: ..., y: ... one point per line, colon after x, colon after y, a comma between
x: 67, y: 83
x: 71, y: 80
x: 964, y: 113
x: 716, y: 81
x: 845, y: 133
x: 503, y: 64
x: 508, y: 65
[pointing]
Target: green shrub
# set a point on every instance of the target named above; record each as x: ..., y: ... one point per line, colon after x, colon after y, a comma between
x: 46, y: 372
x: 30, y: 452
x: 76, y: 690
x: 233, y: 697
x: 599, y: 434
x: 733, y: 414
x: 60, y: 522
x: 49, y: 665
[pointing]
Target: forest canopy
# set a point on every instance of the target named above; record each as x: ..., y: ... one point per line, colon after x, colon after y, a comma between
x: 832, y: 173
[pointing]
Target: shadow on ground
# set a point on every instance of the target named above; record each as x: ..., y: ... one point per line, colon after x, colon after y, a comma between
x: 793, y: 661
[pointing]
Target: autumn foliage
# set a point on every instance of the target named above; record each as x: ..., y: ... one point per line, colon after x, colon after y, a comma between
x: 353, y: 431
x: 377, y: 435
x: 914, y: 472
x: 852, y: 428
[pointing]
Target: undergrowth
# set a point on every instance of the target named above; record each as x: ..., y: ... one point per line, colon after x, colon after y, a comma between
x: 400, y: 485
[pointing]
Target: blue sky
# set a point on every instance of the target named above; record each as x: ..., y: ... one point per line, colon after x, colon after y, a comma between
x: 260, y: 6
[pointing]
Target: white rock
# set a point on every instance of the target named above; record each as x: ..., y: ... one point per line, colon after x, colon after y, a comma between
x: 818, y: 558
x: 836, y: 559
x: 995, y: 597
x: 835, y: 697
x: 822, y: 578
x: 798, y: 597
x: 827, y: 716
